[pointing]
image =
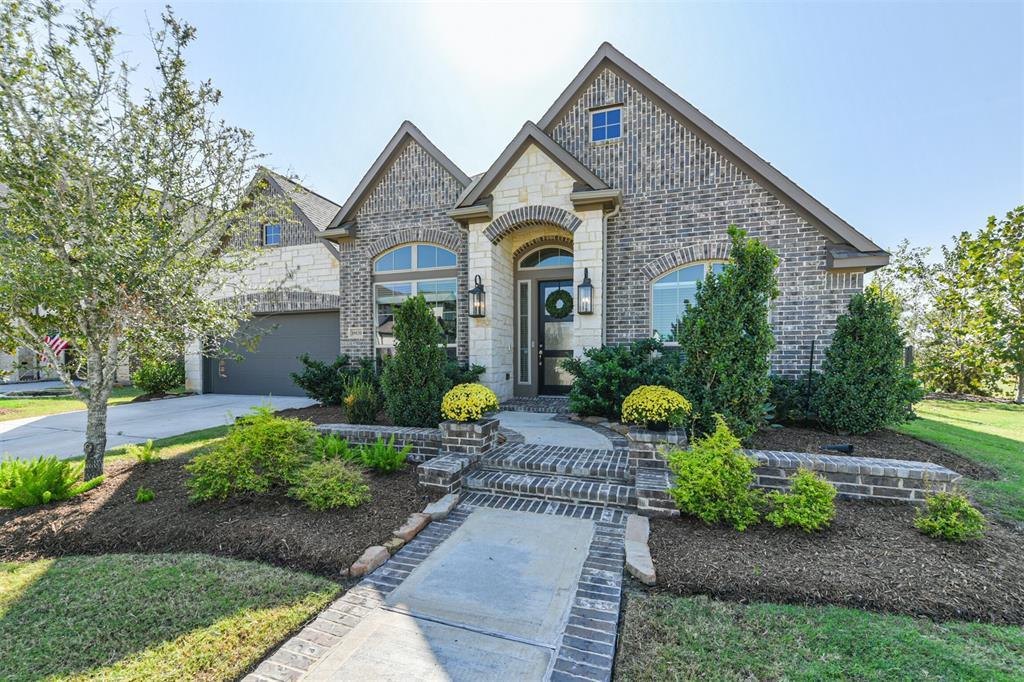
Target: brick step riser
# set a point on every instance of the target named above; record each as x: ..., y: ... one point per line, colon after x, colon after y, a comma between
x: 473, y: 483
x: 618, y: 478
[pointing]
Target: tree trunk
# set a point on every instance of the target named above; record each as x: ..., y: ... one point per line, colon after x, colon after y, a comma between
x: 101, y: 369
x: 1020, y: 386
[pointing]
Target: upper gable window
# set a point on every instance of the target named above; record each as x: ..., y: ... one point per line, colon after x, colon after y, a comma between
x: 606, y: 124
x: 272, y: 234
x: 415, y: 257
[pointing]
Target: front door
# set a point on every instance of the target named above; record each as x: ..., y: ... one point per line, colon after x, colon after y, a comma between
x: 554, y: 339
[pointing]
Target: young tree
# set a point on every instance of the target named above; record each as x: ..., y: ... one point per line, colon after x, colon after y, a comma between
x: 121, y: 206
x: 865, y: 386
x: 414, y: 380
x: 911, y: 280
x: 725, y: 340
x: 996, y: 267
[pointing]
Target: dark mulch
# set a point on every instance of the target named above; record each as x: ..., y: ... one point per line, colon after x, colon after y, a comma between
x: 270, y: 528
x: 872, y: 557
x: 885, y: 444
x: 322, y: 414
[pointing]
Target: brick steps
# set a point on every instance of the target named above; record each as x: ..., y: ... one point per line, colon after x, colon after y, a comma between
x: 551, y: 487
x: 606, y: 466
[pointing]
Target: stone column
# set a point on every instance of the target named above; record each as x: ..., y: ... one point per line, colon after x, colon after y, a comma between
x: 490, y: 337
x: 646, y: 447
x: 194, y: 367
x: 588, y: 254
x: 471, y: 439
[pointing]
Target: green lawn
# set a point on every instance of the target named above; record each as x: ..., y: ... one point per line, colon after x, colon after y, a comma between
x: 148, y: 617
x: 990, y: 433
x: 19, y: 408
x: 696, y: 638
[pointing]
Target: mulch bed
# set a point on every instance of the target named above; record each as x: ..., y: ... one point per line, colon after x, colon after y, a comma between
x: 884, y: 444
x: 322, y: 414
x: 271, y: 528
x: 872, y: 557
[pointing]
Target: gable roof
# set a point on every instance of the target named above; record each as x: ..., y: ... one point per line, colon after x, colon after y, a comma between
x: 607, y: 55
x: 528, y: 134
x: 316, y: 207
x: 407, y: 131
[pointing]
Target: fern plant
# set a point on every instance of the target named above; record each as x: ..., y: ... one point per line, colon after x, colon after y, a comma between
x: 41, y: 481
x: 333, y: 446
x: 144, y: 454
x: 384, y: 457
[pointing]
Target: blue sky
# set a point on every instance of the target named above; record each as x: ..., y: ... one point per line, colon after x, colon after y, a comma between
x: 907, y: 119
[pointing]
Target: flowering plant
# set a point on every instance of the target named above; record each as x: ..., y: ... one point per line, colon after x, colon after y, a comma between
x: 655, y: 406
x: 468, y: 402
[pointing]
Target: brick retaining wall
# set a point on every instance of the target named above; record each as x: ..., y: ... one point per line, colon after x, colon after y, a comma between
x: 426, y: 442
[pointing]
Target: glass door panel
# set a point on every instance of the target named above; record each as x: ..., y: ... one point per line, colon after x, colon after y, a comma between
x: 555, y: 308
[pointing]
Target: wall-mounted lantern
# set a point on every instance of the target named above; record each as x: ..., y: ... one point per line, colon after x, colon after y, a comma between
x: 477, y: 304
x: 585, y: 295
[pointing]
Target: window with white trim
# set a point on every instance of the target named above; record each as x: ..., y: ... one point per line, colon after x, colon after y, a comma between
x: 606, y: 124
x: 671, y: 292
x: 272, y: 234
x: 547, y: 257
x: 415, y: 257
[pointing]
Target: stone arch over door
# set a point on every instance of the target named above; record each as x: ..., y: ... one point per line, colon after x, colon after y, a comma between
x: 530, y: 216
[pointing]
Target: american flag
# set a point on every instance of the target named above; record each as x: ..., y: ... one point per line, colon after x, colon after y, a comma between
x: 56, y: 342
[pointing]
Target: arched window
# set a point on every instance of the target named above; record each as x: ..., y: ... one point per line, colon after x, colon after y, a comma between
x: 669, y: 294
x: 415, y: 269
x: 547, y: 257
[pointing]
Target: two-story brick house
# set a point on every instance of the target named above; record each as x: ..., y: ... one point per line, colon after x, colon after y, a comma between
x: 621, y: 185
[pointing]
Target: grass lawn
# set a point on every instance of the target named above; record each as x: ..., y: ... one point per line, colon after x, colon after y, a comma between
x: 19, y: 408
x: 148, y: 617
x: 696, y: 638
x: 990, y: 433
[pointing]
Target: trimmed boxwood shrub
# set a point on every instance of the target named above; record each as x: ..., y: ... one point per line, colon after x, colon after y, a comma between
x: 714, y: 478
x: 159, y: 376
x: 865, y: 385
x: 809, y: 504
x: 605, y: 376
x: 328, y: 484
x: 950, y: 516
x: 326, y: 383
x: 413, y: 380
x: 725, y: 340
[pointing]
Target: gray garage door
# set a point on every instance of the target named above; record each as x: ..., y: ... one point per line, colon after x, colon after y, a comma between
x: 283, y: 338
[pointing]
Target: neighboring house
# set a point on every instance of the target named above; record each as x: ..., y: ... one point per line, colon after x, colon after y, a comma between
x: 621, y: 184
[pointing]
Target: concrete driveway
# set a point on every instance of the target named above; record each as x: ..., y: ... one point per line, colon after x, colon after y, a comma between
x: 64, y: 434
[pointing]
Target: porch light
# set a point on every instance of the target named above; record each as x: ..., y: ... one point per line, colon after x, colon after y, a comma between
x: 585, y: 295
x: 477, y: 304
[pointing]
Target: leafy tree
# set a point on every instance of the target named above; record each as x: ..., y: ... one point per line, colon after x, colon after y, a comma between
x: 725, y: 340
x: 122, y: 200
x: 414, y: 380
x: 996, y: 268
x: 912, y: 281
x: 865, y: 385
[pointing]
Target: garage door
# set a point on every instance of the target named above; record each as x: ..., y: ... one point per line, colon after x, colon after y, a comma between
x: 267, y: 369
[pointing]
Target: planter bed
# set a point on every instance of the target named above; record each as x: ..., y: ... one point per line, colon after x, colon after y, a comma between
x: 884, y: 444
x: 271, y: 528
x: 872, y: 557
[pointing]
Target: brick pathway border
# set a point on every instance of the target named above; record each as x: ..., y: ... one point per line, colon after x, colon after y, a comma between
x: 586, y: 649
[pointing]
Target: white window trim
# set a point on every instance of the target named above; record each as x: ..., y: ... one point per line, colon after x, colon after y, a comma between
x: 546, y: 267
x: 414, y: 259
x: 590, y: 124
x: 263, y: 234
x: 708, y: 264
x: 413, y: 291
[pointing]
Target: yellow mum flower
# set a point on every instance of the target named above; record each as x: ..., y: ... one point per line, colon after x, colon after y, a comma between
x: 468, y: 402
x: 655, y: 405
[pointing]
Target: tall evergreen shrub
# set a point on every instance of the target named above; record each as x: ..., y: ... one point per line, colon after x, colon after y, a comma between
x: 725, y: 340
x: 414, y: 381
x: 866, y: 385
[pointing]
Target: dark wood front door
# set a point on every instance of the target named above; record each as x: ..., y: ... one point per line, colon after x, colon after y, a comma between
x: 554, y: 338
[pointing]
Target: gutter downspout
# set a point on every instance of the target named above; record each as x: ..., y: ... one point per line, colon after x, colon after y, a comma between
x: 614, y: 213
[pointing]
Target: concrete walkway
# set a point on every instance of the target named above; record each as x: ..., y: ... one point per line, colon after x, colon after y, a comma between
x: 63, y: 434
x: 507, y: 589
x: 541, y: 428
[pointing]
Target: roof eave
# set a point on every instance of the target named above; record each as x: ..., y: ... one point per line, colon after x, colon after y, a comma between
x: 606, y: 198
x: 336, y: 234
x: 868, y: 261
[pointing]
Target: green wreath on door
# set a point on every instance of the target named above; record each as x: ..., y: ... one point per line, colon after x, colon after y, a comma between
x: 558, y: 304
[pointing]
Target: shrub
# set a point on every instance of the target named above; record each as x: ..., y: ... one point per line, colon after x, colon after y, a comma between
x: 950, y: 516
x: 144, y: 454
x: 468, y: 402
x: 792, y: 400
x: 159, y: 376
x: 325, y: 383
x: 362, y: 404
x: 330, y: 484
x: 713, y: 480
x: 462, y: 373
x: 144, y: 494
x: 41, y: 481
x: 413, y: 380
x: 384, y: 457
x: 725, y: 340
x: 655, y: 406
x: 809, y: 504
x: 261, y: 451
x: 865, y: 385
x: 606, y: 375
x: 335, y: 447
